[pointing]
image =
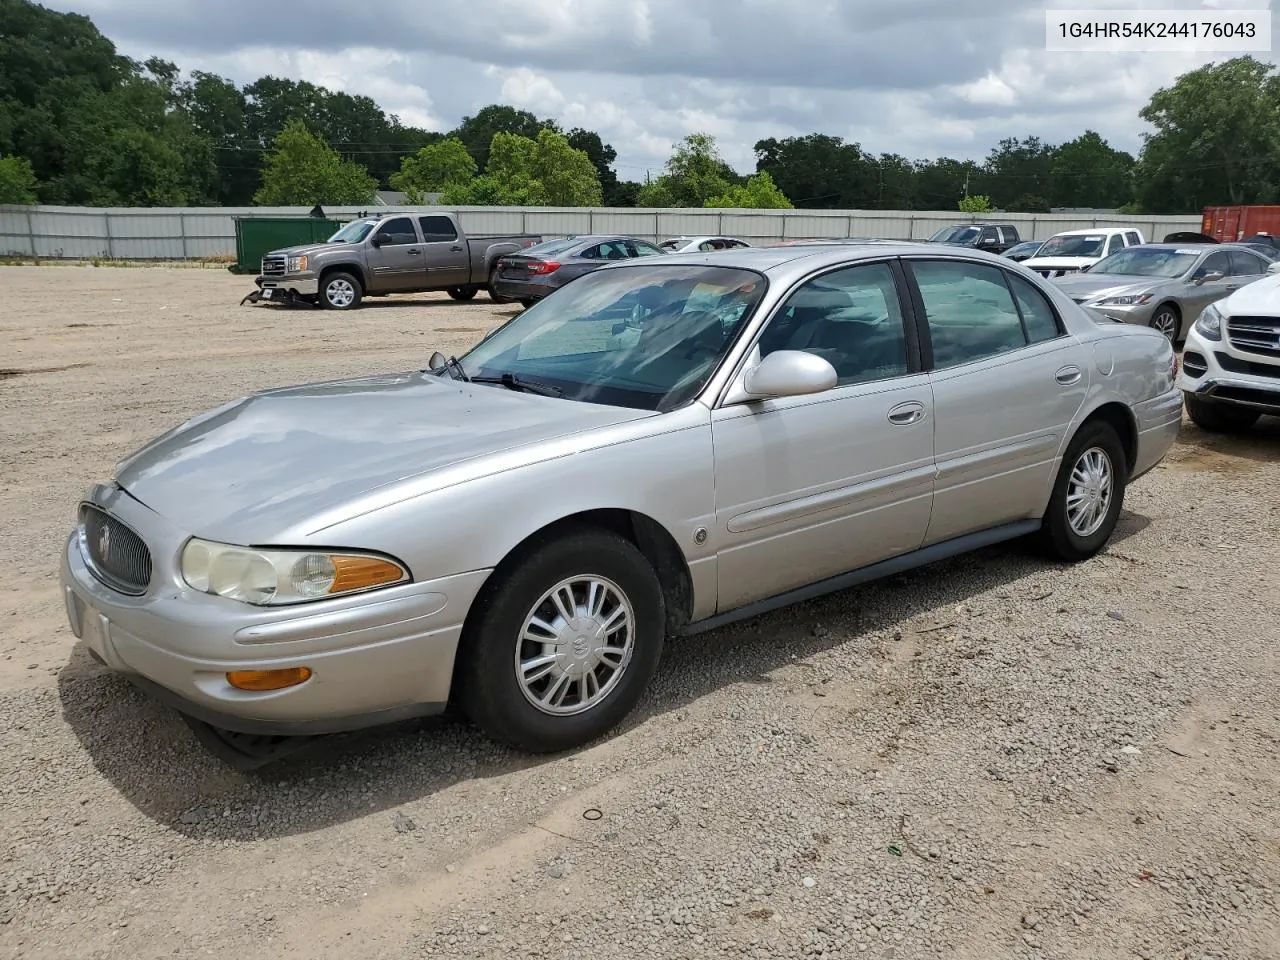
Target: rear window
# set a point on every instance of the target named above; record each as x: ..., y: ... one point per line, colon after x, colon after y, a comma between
x: 548, y: 247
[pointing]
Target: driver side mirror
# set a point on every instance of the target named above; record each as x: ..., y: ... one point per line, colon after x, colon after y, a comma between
x: 377, y: 240
x: 1209, y: 277
x: 1274, y: 267
x: 789, y: 373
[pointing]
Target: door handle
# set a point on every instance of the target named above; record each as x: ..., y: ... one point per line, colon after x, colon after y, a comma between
x: 1067, y: 375
x: 456, y: 249
x: 905, y: 413
x: 414, y: 253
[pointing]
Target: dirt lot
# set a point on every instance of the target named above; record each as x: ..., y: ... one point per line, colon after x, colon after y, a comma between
x: 989, y: 758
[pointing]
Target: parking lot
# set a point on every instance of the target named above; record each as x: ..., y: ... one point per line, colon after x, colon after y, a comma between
x: 991, y: 757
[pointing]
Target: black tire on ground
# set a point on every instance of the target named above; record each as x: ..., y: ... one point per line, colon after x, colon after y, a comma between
x: 462, y: 293
x: 527, y: 302
x: 1168, y: 320
x: 493, y: 287
x: 340, y: 290
x: 1219, y: 417
x: 1058, y: 537
x: 491, y: 692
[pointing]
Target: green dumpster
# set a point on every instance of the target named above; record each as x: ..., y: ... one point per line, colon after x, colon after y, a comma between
x: 256, y: 236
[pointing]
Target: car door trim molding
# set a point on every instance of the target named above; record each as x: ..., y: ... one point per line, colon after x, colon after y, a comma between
x: 876, y: 571
x: 788, y: 510
x: 949, y: 469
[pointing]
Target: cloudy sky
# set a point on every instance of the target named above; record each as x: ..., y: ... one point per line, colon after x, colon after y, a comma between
x: 922, y: 78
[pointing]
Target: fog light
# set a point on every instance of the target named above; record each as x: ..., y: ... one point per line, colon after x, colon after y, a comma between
x: 259, y: 680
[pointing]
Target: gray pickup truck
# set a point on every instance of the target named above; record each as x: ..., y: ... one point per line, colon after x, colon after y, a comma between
x: 374, y: 256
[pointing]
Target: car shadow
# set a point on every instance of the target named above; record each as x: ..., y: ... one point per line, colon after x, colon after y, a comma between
x: 153, y: 759
x: 1261, y: 444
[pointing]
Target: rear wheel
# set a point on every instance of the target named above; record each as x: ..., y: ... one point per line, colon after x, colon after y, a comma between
x: 462, y: 293
x: 493, y: 287
x: 340, y: 291
x: 1218, y: 417
x: 559, y: 650
x: 1087, y: 496
x: 527, y: 302
x: 1168, y: 321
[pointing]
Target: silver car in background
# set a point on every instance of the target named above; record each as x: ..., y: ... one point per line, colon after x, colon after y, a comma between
x: 661, y: 447
x: 702, y: 244
x: 1164, y: 285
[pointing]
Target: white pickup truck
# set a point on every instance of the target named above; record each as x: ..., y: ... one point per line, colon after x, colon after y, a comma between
x: 1074, y: 250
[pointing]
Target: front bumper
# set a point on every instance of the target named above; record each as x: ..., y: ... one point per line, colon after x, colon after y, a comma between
x: 375, y: 658
x: 298, y: 286
x: 1213, y: 371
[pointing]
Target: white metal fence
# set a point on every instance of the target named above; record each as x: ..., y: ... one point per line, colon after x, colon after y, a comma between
x: 192, y: 233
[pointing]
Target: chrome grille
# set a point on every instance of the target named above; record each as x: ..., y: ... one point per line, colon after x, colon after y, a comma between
x: 273, y: 266
x: 1255, y: 335
x: 114, y: 554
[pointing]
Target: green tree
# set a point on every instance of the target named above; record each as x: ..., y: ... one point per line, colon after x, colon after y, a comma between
x: 434, y: 168
x: 303, y: 170
x: 522, y: 172
x: 694, y: 174
x: 974, y: 204
x: 602, y: 156
x: 568, y: 177
x: 1028, y: 203
x: 478, y: 131
x: 758, y: 193
x: 818, y: 171
x: 1216, y: 139
x: 1018, y: 167
x: 1089, y: 172
x: 17, y: 180
x: 942, y: 183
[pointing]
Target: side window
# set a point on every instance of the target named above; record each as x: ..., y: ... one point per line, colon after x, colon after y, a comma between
x: 970, y: 311
x: 437, y: 229
x: 851, y: 318
x: 706, y: 246
x: 1115, y: 244
x: 1010, y: 235
x: 1217, y: 262
x: 398, y: 232
x: 640, y: 248
x: 1133, y: 238
x: 1246, y: 264
x: 1037, y: 313
x: 593, y: 253
x: 988, y: 235
x: 612, y: 250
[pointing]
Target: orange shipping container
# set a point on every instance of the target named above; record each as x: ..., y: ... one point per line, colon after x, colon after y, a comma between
x: 1226, y: 224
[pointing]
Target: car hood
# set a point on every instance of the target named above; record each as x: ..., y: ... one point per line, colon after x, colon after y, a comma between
x: 1060, y: 263
x: 310, y: 249
x: 1259, y: 298
x: 263, y: 464
x: 1087, y: 286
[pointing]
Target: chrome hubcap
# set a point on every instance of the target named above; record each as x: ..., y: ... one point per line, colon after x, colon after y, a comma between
x: 1166, y: 323
x: 340, y: 292
x: 1089, y: 492
x: 575, y: 645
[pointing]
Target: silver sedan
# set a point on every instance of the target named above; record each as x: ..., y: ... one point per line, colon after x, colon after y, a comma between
x: 1164, y: 285
x: 658, y: 448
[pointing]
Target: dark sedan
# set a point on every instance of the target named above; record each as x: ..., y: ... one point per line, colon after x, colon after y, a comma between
x: 1023, y: 251
x: 537, y: 271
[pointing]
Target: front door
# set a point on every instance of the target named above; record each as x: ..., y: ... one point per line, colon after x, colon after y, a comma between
x: 396, y: 259
x: 448, y: 259
x: 1007, y: 384
x: 813, y: 486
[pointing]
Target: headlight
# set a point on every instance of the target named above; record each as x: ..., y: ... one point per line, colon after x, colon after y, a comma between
x: 297, y: 264
x: 1131, y: 300
x: 1209, y: 323
x: 275, y: 577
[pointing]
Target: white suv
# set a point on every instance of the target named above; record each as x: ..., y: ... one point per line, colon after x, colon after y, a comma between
x: 1231, y: 361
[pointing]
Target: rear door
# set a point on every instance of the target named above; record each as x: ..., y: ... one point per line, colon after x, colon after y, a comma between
x: 1246, y: 267
x: 395, y: 257
x: 448, y: 260
x: 1007, y: 382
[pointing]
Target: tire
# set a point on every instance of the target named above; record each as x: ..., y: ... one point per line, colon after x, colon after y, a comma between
x: 493, y: 287
x: 462, y: 293
x: 1168, y: 321
x: 1219, y: 417
x: 340, y: 290
x: 501, y: 704
x: 1096, y: 446
x: 527, y: 302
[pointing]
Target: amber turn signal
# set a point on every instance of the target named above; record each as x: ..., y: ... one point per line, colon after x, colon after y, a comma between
x: 361, y: 573
x: 260, y: 680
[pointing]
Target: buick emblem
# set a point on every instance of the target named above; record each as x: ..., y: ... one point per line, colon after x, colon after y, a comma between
x: 104, y: 542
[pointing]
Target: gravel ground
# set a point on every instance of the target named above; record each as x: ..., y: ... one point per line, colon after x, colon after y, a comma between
x: 988, y: 758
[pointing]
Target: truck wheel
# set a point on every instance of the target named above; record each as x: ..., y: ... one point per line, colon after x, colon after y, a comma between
x: 462, y: 293
x: 340, y: 291
x: 493, y: 287
x: 1218, y: 417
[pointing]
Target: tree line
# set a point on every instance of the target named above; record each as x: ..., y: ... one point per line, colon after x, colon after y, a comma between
x: 82, y: 125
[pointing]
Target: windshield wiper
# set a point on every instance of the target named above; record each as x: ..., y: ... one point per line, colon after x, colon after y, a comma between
x: 513, y: 382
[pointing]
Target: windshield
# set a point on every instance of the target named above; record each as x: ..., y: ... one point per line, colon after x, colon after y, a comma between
x: 548, y: 247
x: 1147, y: 262
x: 955, y: 235
x: 353, y: 232
x: 643, y: 336
x: 1073, y: 245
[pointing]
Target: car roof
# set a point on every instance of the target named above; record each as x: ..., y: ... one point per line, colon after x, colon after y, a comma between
x: 1199, y: 246
x: 818, y: 255
x: 1092, y: 230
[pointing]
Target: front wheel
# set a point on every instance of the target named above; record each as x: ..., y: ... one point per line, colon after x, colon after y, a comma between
x: 1218, y: 417
x: 340, y: 291
x: 1168, y: 321
x: 559, y: 650
x: 461, y: 293
x: 1087, y: 496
